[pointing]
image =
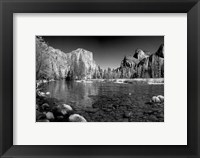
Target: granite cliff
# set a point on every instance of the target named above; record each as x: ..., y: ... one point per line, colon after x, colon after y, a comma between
x: 54, y: 64
x: 143, y: 65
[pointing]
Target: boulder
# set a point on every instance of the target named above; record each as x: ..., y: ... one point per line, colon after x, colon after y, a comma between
x: 42, y: 94
x: 161, y: 98
x: 43, y: 120
x: 45, y: 106
x: 67, y: 107
x: 62, y: 109
x: 76, y: 118
x: 40, y: 115
x: 155, y: 99
x: 49, y: 116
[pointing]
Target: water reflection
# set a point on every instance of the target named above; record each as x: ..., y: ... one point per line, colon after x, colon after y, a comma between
x: 80, y: 94
x: 72, y: 92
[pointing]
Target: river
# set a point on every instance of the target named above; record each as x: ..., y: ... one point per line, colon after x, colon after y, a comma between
x: 109, y: 101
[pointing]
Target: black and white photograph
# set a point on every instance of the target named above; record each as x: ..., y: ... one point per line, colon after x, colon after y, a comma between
x: 99, y: 78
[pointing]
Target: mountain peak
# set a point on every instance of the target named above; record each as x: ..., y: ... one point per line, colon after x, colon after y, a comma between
x: 81, y: 50
x: 140, y: 54
x: 160, y: 51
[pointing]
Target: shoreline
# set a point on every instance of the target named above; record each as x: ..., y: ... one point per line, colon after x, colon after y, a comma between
x: 151, y: 81
x: 148, y: 80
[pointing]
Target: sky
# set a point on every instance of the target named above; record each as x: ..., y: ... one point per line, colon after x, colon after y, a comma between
x: 108, y: 51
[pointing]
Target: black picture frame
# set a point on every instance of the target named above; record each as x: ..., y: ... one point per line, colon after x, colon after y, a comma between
x: 8, y: 7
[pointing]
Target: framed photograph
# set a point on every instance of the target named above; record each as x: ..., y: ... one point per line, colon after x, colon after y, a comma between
x: 99, y: 86
x: 113, y: 78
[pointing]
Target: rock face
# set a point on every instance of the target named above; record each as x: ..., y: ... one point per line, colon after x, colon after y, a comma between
x: 55, y: 64
x: 139, y: 54
x: 152, y: 66
x: 82, y: 64
x: 141, y: 65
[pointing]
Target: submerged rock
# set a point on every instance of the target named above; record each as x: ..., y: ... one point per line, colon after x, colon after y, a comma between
x: 91, y: 110
x: 56, y: 111
x: 128, y: 114
x: 60, y: 117
x: 77, y: 118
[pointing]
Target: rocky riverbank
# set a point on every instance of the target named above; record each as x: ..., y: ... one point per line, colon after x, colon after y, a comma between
x: 53, y: 110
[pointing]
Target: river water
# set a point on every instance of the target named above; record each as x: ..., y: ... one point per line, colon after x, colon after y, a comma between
x: 109, y: 99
